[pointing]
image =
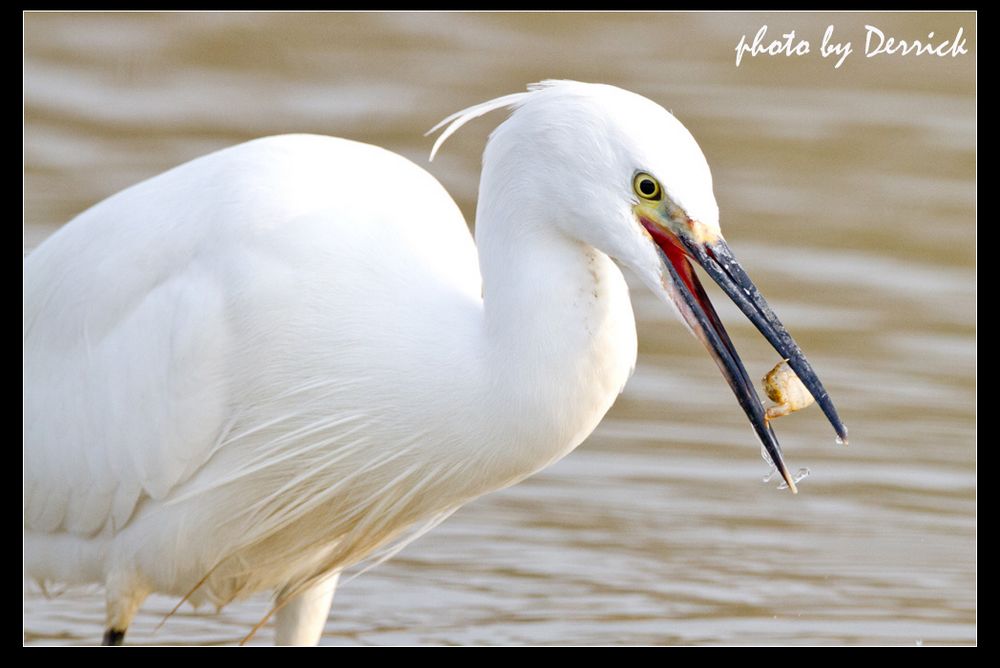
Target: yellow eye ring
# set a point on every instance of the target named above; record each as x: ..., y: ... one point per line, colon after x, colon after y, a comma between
x: 647, y: 187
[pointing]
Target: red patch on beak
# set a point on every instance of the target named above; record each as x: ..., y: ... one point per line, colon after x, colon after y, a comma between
x: 677, y: 256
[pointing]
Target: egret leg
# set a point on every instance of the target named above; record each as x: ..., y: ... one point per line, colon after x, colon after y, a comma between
x: 114, y: 637
x: 301, y: 619
x: 124, y: 596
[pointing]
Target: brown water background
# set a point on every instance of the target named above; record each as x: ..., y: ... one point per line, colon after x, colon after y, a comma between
x: 849, y: 195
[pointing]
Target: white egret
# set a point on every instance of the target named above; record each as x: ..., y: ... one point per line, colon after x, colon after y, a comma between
x: 284, y: 358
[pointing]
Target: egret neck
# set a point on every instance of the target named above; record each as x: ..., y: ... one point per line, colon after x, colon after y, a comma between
x: 559, y: 329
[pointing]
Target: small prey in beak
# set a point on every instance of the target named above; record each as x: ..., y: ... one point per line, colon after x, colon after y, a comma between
x: 680, y: 239
x: 785, y: 389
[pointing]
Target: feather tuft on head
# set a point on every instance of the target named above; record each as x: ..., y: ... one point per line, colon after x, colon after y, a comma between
x: 460, y: 118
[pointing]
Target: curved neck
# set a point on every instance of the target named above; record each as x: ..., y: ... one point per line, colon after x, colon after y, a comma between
x: 559, y: 330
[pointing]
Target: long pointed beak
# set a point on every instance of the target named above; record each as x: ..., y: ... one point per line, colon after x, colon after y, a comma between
x: 693, y: 303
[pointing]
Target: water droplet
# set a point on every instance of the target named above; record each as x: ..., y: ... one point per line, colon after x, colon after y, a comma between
x: 771, y: 468
x: 801, y: 475
x: 766, y: 457
x: 773, y: 473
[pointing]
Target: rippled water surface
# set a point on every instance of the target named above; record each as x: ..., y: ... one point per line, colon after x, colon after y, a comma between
x: 849, y: 196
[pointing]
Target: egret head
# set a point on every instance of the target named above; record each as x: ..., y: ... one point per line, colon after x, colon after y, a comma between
x: 620, y: 173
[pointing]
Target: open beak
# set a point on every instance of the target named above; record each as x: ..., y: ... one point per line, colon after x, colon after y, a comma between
x: 688, y: 294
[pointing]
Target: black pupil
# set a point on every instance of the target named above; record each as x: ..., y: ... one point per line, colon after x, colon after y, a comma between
x: 647, y: 187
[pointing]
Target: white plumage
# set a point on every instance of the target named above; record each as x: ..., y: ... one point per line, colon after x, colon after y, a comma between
x: 283, y: 358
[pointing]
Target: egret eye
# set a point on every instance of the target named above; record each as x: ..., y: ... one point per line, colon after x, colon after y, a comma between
x: 646, y: 186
